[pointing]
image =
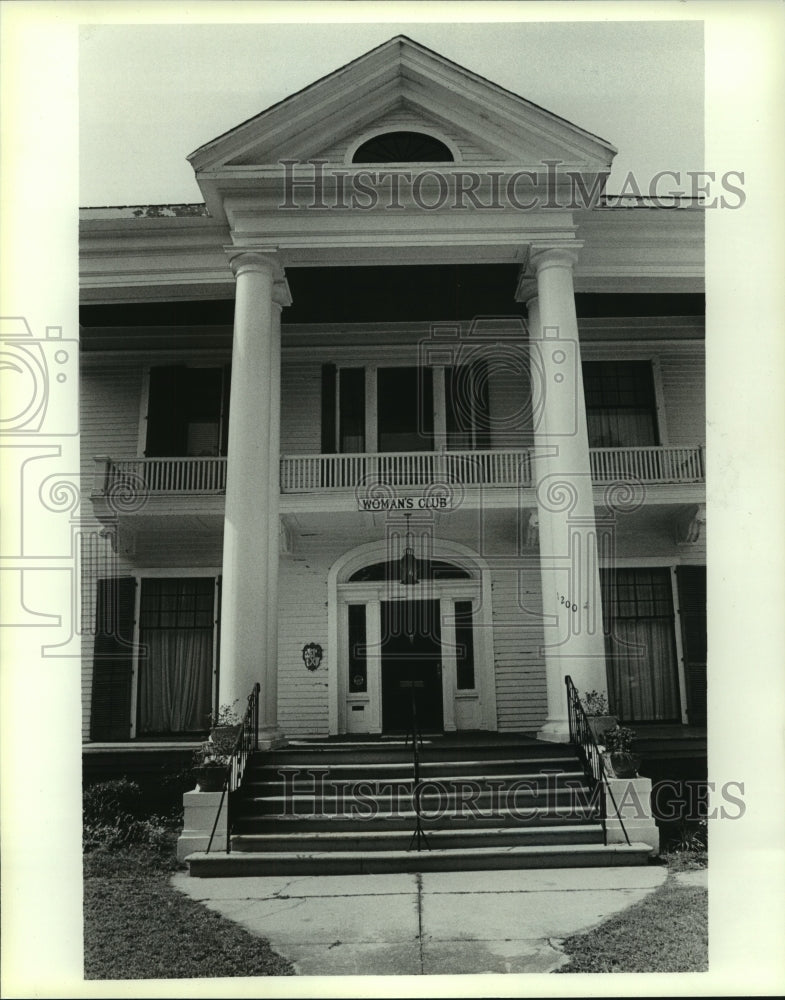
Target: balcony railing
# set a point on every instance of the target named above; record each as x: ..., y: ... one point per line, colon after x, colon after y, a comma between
x: 316, y: 473
x: 306, y: 473
x: 159, y: 475
x: 648, y: 465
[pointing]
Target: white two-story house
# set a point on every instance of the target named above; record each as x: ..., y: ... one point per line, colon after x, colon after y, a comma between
x: 407, y: 399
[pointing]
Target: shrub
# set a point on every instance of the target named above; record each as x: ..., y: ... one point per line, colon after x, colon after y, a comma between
x: 113, y: 818
x: 691, y: 838
x: 107, y: 801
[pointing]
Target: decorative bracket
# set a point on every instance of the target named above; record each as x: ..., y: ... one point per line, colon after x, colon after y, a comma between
x: 691, y: 525
x: 531, y: 531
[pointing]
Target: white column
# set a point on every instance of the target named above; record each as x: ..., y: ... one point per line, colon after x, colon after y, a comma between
x: 245, y: 653
x: 569, y: 570
x: 269, y: 710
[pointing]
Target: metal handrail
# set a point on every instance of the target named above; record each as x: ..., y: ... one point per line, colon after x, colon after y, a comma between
x: 418, y: 836
x: 582, y: 737
x: 246, y: 743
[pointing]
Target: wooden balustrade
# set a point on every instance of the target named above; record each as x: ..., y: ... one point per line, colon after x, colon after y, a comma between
x: 315, y: 473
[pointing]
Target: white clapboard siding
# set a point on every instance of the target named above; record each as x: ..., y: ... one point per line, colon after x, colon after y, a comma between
x: 302, y: 618
x: 520, y: 669
x: 684, y: 389
x: 109, y: 414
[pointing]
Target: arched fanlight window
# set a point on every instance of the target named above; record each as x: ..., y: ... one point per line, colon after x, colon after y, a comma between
x: 427, y: 569
x: 403, y: 147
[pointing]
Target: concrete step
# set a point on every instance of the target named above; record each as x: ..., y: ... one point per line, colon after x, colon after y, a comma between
x: 254, y: 823
x: 248, y: 864
x: 320, y: 754
x: 439, y: 838
x: 363, y: 800
x: 464, y: 769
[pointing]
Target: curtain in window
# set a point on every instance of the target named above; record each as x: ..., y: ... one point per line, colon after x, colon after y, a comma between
x: 620, y: 428
x: 640, y: 644
x: 174, y: 681
x: 642, y: 670
x: 175, y: 669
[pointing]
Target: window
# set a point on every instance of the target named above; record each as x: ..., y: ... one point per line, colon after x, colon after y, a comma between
x: 358, y: 655
x: 427, y: 569
x: 405, y: 409
x: 464, y: 640
x: 403, y: 147
x: 405, y: 415
x: 640, y: 644
x: 351, y: 414
x: 467, y: 416
x: 620, y: 404
x: 187, y: 412
x: 176, y: 629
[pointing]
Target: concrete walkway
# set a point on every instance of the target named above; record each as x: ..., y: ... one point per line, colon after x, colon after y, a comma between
x: 429, y: 924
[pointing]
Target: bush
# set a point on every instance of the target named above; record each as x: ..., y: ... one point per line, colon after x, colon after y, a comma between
x: 106, y: 802
x: 113, y: 817
x: 691, y: 838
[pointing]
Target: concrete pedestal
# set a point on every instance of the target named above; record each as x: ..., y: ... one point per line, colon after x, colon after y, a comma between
x: 633, y: 799
x: 199, y: 815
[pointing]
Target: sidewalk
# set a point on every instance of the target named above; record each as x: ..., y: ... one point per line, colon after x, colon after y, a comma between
x: 429, y: 924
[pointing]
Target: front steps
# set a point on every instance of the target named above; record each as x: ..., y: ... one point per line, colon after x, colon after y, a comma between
x: 347, y: 808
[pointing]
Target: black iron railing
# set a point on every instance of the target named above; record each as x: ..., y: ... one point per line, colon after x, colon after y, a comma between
x: 246, y: 743
x: 582, y: 737
x: 418, y: 837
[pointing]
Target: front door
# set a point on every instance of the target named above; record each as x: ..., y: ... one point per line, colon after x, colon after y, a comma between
x: 411, y: 666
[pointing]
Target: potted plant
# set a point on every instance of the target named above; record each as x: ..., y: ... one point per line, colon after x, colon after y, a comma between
x: 212, y: 757
x: 618, y: 747
x: 210, y: 766
x: 225, y: 728
x: 595, y: 705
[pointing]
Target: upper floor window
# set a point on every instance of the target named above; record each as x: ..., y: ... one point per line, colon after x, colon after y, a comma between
x: 621, y: 409
x: 403, y: 147
x: 405, y: 408
x: 187, y: 411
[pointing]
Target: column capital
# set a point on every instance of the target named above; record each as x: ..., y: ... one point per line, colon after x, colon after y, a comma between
x: 542, y: 257
x: 282, y: 296
x: 262, y: 260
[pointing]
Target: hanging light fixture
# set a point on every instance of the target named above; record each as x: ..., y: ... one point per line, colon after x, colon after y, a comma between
x: 408, y: 574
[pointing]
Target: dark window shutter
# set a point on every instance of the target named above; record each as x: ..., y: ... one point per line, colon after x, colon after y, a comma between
x: 216, y: 681
x: 167, y: 412
x: 482, y: 417
x: 328, y: 410
x: 692, y: 612
x: 110, y: 710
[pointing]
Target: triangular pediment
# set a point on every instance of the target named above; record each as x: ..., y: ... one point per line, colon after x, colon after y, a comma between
x: 402, y: 85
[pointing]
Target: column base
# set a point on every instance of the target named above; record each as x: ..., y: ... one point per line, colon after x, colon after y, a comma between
x: 272, y: 739
x: 555, y: 731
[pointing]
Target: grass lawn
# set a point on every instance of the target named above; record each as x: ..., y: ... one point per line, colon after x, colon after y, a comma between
x: 138, y: 927
x: 665, y: 932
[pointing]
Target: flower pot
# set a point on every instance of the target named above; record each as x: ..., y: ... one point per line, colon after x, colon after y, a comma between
x: 211, y: 778
x: 624, y: 765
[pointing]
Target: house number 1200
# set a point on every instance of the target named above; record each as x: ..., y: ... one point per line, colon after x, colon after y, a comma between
x: 568, y: 604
